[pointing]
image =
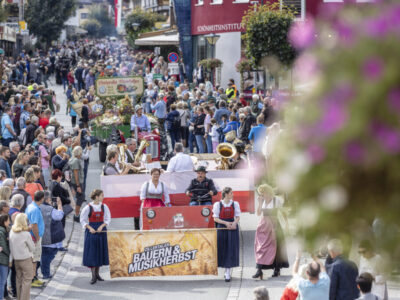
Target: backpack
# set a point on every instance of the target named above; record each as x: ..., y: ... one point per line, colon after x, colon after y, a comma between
x: 22, y: 137
x: 67, y: 171
x: 220, y: 131
x: 176, y: 123
x: 57, y: 231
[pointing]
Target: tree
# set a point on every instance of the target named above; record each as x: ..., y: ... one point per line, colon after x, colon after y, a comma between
x: 145, y: 21
x: 92, y: 27
x: 266, y: 38
x: 100, y: 14
x: 3, y: 14
x: 46, y: 18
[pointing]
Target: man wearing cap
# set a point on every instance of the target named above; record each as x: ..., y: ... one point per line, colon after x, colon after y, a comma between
x: 201, y: 189
x: 140, y: 121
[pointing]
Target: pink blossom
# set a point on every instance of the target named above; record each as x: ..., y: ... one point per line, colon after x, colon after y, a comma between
x: 316, y: 153
x: 394, y: 100
x: 377, y: 28
x: 302, y: 34
x: 389, y: 138
x: 354, y: 152
x: 306, y: 67
x: 373, y: 68
x: 345, y: 32
x: 334, y: 118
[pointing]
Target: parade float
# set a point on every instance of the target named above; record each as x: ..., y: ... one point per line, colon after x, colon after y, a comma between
x: 111, y: 118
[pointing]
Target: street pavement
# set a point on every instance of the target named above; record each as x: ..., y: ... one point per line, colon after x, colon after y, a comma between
x: 71, y: 279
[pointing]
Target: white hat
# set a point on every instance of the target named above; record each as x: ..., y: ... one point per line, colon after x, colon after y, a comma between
x: 137, y: 107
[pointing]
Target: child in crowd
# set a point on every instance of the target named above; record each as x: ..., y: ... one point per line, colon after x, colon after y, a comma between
x: 214, y: 134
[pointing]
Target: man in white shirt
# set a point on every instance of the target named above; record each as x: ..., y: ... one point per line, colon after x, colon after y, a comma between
x: 148, y: 76
x: 181, y: 161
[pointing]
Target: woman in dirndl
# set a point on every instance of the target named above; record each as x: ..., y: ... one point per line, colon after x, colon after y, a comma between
x: 269, y: 244
x: 95, y: 218
x: 154, y: 193
x: 226, y: 215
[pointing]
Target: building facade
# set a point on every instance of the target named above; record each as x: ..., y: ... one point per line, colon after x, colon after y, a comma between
x: 198, y: 18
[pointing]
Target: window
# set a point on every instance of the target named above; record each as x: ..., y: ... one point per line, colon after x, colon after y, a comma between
x: 199, y: 2
x: 241, y: 1
x: 216, y: 2
x: 84, y: 15
x: 295, y: 5
x: 332, y: 1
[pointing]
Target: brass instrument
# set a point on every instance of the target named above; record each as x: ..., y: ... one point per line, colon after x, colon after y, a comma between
x: 122, y: 156
x: 227, y: 152
x: 143, y: 144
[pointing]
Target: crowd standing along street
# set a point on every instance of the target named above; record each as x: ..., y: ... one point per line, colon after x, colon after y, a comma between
x: 122, y: 177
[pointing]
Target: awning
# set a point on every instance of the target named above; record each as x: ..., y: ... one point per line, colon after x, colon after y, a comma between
x: 159, y: 40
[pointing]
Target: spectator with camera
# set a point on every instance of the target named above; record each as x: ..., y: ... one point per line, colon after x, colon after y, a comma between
x: 52, y: 211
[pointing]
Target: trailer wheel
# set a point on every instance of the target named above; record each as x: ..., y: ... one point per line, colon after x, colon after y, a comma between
x: 102, y: 151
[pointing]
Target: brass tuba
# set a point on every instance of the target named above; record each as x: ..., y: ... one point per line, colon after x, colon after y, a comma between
x: 122, y: 156
x: 227, y: 152
x: 143, y: 144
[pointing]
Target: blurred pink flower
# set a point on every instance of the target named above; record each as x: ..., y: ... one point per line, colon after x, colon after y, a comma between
x: 373, y: 68
x: 345, y: 32
x: 354, y: 152
x: 377, y: 28
x: 316, y: 153
x: 334, y: 118
x: 394, y: 100
x: 343, y: 93
x: 302, y: 34
x: 389, y: 138
x: 306, y: 67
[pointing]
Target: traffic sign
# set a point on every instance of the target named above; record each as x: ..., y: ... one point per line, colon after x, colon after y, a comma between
x: 173, y: 68
x: 173, y: 57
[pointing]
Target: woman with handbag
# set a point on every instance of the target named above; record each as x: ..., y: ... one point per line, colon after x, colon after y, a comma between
x: 53, y: 232
x: 269, y: 244
x: 95, y: 217
x: 58, y: 191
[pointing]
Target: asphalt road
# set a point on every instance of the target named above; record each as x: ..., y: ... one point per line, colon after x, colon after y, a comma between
x: 71, y: 280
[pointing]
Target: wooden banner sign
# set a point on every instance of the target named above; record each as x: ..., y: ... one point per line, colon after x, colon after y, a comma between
x: 119, y: 86
x: 163, y: 252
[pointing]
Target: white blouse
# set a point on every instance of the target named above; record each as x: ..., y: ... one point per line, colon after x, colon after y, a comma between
x: 216, y: 209
x: 278, y: 203
x: 96, y: 208
x: 154, y: 190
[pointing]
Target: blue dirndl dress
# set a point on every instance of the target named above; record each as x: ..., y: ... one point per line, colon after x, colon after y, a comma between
x: 227, y: 240
x: 95, y: 251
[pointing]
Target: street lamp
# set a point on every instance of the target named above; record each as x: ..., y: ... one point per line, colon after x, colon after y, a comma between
x: 135, y: 26
x: 212, y: 38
